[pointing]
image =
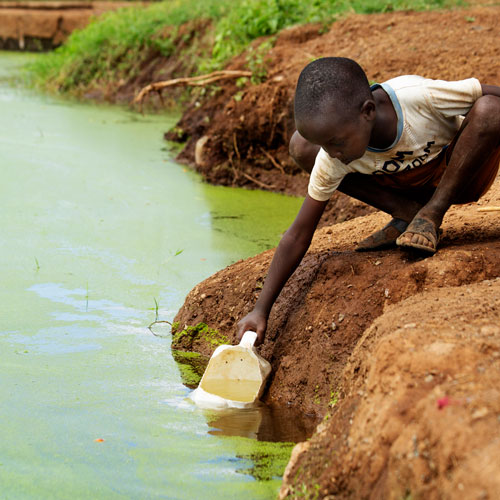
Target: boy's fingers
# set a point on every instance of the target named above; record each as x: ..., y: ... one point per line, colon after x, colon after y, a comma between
x: 260, y: 337
x: 253, y: 325
x: 243, y: 326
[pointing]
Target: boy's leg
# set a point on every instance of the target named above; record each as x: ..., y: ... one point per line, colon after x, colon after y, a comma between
x: 475, y: 143
x: 363, y: 188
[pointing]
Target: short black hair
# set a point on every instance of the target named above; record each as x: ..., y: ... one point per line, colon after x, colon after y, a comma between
x: 330, y: 80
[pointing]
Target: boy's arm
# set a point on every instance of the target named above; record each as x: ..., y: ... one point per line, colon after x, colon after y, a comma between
x: 490, y: 90
x: 291, y: 249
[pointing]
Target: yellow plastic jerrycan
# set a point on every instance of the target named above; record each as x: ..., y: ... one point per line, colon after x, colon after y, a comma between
x: 235, y: 376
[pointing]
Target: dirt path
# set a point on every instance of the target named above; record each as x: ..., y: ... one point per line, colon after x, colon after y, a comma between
x: 40, y: 25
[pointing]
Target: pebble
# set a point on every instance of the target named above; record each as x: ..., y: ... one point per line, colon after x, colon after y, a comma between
x: 480, y: 413
x: 410, y: 325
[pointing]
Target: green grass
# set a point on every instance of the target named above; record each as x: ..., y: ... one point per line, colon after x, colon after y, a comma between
x: 114, y: 46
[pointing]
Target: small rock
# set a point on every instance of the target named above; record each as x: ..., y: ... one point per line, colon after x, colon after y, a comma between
x: 203, y: 296
x: 334, y: 326
x: 377, y: 263
x: 386, y: 292
x: 410, y: 325
x: 480, y: 413
x: 341, y: 317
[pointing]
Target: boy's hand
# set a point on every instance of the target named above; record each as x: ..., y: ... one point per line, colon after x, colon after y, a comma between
x: 255, y: 322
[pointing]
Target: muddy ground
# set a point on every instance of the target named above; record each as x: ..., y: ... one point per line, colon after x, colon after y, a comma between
x: 400, y: 354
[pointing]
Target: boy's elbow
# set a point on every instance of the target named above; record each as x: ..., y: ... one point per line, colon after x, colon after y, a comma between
x: 296, y: 239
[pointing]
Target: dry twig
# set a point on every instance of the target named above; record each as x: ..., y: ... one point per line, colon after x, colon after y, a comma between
x: 198, y: 81
x: 489, y: 209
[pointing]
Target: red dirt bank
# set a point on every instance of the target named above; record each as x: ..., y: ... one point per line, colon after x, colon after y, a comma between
x: 401, y: 353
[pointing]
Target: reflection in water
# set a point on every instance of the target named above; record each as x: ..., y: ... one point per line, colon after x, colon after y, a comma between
x: 264, y: 423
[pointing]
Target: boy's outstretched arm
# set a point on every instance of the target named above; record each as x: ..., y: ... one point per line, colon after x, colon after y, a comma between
x: 291, y: 249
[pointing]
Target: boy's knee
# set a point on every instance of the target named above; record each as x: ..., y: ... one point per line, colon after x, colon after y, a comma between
x: 303, y: 152
x: 486, y: 115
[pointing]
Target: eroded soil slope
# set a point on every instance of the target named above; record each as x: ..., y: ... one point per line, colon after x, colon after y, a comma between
x: 401, y: 353
x: 418, y: 413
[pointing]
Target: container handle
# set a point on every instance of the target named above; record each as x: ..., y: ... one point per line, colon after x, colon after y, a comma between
x: 248, y: 339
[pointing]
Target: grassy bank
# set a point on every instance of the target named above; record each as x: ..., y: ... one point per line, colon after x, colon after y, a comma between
x: 116, y: 46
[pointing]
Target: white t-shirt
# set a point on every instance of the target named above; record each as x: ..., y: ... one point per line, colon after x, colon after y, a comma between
x: 429, y: 112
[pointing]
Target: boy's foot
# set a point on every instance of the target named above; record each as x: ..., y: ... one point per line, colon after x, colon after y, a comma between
x: 383, y: 238
x: 421, y: 234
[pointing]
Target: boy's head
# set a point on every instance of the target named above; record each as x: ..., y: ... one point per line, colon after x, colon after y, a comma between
x: 334, y: 107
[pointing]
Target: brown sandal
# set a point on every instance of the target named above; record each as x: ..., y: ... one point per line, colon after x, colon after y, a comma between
x: 422, y: 227
x: 383, y: 238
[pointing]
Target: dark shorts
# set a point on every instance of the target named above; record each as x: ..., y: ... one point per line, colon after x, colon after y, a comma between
x: 420, y: 183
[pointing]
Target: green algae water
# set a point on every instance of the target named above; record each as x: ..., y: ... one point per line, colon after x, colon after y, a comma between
x: 101, y: 231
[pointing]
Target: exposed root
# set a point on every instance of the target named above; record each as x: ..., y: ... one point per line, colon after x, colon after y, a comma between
x: 272, y: 160
x: 199, y: 81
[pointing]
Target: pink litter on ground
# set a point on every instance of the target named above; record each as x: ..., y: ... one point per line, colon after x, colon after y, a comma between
x: 443, y: 402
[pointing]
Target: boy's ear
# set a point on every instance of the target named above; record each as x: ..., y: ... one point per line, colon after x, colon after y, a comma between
x: 368, y: 109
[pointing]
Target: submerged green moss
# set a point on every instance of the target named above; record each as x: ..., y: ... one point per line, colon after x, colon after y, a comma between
x: 191, y: 366
x: 268, y: 460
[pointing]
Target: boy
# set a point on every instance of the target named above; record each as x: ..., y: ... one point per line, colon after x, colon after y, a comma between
x: 402, y: 147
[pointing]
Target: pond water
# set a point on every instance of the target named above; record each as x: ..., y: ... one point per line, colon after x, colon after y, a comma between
x: 99, y: 229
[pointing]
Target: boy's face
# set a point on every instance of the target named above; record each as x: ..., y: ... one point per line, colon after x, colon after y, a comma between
x: 343, y: 136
